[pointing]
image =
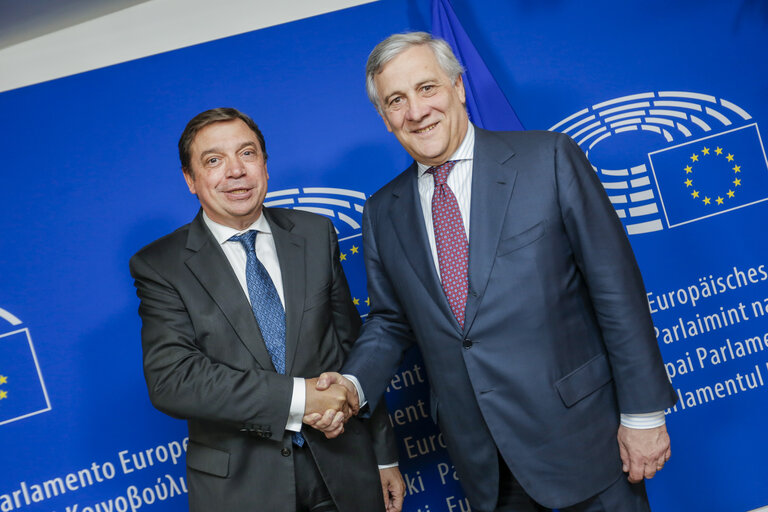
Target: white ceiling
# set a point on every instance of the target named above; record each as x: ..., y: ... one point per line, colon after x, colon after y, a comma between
x: 21, y: 20
x: 41, y: 40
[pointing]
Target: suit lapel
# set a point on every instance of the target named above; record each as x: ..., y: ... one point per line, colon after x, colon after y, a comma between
x: 492, y: 182
x: 209, y: 264
x: 291, y: 255
x: 408, y: 220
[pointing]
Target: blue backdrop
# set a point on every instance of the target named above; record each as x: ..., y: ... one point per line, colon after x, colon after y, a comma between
x: 90, y: 174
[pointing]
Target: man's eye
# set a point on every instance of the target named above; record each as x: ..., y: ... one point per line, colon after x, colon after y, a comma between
x: 212, y: 161
x: 396, y: 103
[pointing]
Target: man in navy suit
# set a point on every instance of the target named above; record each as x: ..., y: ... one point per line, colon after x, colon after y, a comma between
x: 500, y: 256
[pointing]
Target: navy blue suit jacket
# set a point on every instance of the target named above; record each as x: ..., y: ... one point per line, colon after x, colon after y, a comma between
x: 557, y: 337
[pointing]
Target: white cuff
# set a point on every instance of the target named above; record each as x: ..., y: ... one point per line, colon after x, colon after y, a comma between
x: 298, y: 402
x: 387, y: 466
x: 360, y: 394
x: 643, y: 421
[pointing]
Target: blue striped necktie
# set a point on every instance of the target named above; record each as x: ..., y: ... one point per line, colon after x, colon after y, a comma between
x: 266, y: 306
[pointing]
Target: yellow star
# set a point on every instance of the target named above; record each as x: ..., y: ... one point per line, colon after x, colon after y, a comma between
x: 354, y: 249
x: 718, y: 151
x: 695, y: 157
x: 343, y: 256
x: 736, y: 168
x: 3, y: 379
x: 688, y: 169
x: 707, y: 200
x: 368, y: 302
x: 731, y: 193
x: 719, y: 200
x: 356, y: 301
x: 3, y: 394
x: 737, y: 182
x: 705, y: 150
x: 695, y: 194
x: 688, y: 182
x: 729, y: 157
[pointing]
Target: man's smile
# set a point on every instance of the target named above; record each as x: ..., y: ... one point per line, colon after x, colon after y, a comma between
x: 426, y: 129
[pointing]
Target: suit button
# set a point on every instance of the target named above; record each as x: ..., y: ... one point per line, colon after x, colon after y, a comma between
x: 467, y: 344
x: 285, y: 452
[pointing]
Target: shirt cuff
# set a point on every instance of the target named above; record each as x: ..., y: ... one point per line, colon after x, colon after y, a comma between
x: 643, y: 421
x: 360, y: 394
x: 387, y: 466
x: 298, y: 402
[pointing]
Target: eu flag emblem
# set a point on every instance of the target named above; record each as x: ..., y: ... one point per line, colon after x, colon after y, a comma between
x: 22, y: 391
x: 711, y: 175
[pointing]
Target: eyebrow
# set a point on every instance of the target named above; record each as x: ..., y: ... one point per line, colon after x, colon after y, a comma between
x: 389, y: 96
x: 219, y: 150
x: 416, y: 87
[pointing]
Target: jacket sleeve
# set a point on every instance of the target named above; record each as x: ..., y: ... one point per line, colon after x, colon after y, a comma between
x: 386, y: 335
x: 605, y: 259
x: 347, y: 325
x: 185, y: 382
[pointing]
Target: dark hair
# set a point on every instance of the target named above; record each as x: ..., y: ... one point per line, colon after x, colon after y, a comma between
x: 203, y: 119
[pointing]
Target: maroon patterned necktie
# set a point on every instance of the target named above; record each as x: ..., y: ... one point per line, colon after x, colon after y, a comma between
x: 451, y: 241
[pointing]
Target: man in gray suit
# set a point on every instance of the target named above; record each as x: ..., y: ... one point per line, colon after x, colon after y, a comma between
x: 500, y: 256
x: 239, y: 306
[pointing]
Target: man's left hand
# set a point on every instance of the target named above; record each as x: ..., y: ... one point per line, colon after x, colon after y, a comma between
x: 643, y: 451
x: 393, y: 487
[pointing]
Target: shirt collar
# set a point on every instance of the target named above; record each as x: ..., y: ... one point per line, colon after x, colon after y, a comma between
x: 465, y: 151
x: 223, y: 233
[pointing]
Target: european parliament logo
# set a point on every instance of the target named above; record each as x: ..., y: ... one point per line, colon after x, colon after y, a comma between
x: 669, y: 158
x: 345, y: 209
x: 711, y: 175
x: 22, y: 390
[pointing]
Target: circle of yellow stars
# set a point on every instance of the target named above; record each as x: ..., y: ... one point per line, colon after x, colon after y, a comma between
x: 3, y: 393
x: 343, y: 257
x: 696, y: 194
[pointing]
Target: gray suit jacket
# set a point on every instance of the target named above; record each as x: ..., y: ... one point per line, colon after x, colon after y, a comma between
x: 205, y: 361
x: 557, y: 337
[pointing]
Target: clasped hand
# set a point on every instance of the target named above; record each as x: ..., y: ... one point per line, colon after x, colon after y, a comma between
x: 331, y: 400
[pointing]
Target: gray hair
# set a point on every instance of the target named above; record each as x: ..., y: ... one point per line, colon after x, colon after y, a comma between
x: 396, y: 44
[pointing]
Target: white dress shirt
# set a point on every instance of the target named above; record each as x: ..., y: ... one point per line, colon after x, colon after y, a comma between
x: 267, y: 254
x: 460, y: 182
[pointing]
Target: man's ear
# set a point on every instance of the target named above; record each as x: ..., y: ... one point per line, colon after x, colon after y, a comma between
x: 386, y: 122
x: 460, y: 89
x: 190, y: 180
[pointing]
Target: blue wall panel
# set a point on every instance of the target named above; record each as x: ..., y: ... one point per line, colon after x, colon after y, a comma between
x: 90, y: 174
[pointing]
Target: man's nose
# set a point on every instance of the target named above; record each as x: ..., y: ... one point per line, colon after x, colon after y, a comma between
x: 235, y: 167
x: 417, y: 109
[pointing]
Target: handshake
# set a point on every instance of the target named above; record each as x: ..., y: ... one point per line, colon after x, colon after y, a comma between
x: 331, y: 400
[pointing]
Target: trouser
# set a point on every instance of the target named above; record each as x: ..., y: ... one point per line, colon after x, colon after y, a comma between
x: 620, y: 496
x: 312, y: 495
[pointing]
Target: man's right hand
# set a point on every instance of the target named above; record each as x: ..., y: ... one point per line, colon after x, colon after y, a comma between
x: 330, y: 420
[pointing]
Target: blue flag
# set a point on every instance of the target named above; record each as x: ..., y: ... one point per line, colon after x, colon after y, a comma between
x: 711, y: 175
x: 22, y: 392
x: 487, y: 106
